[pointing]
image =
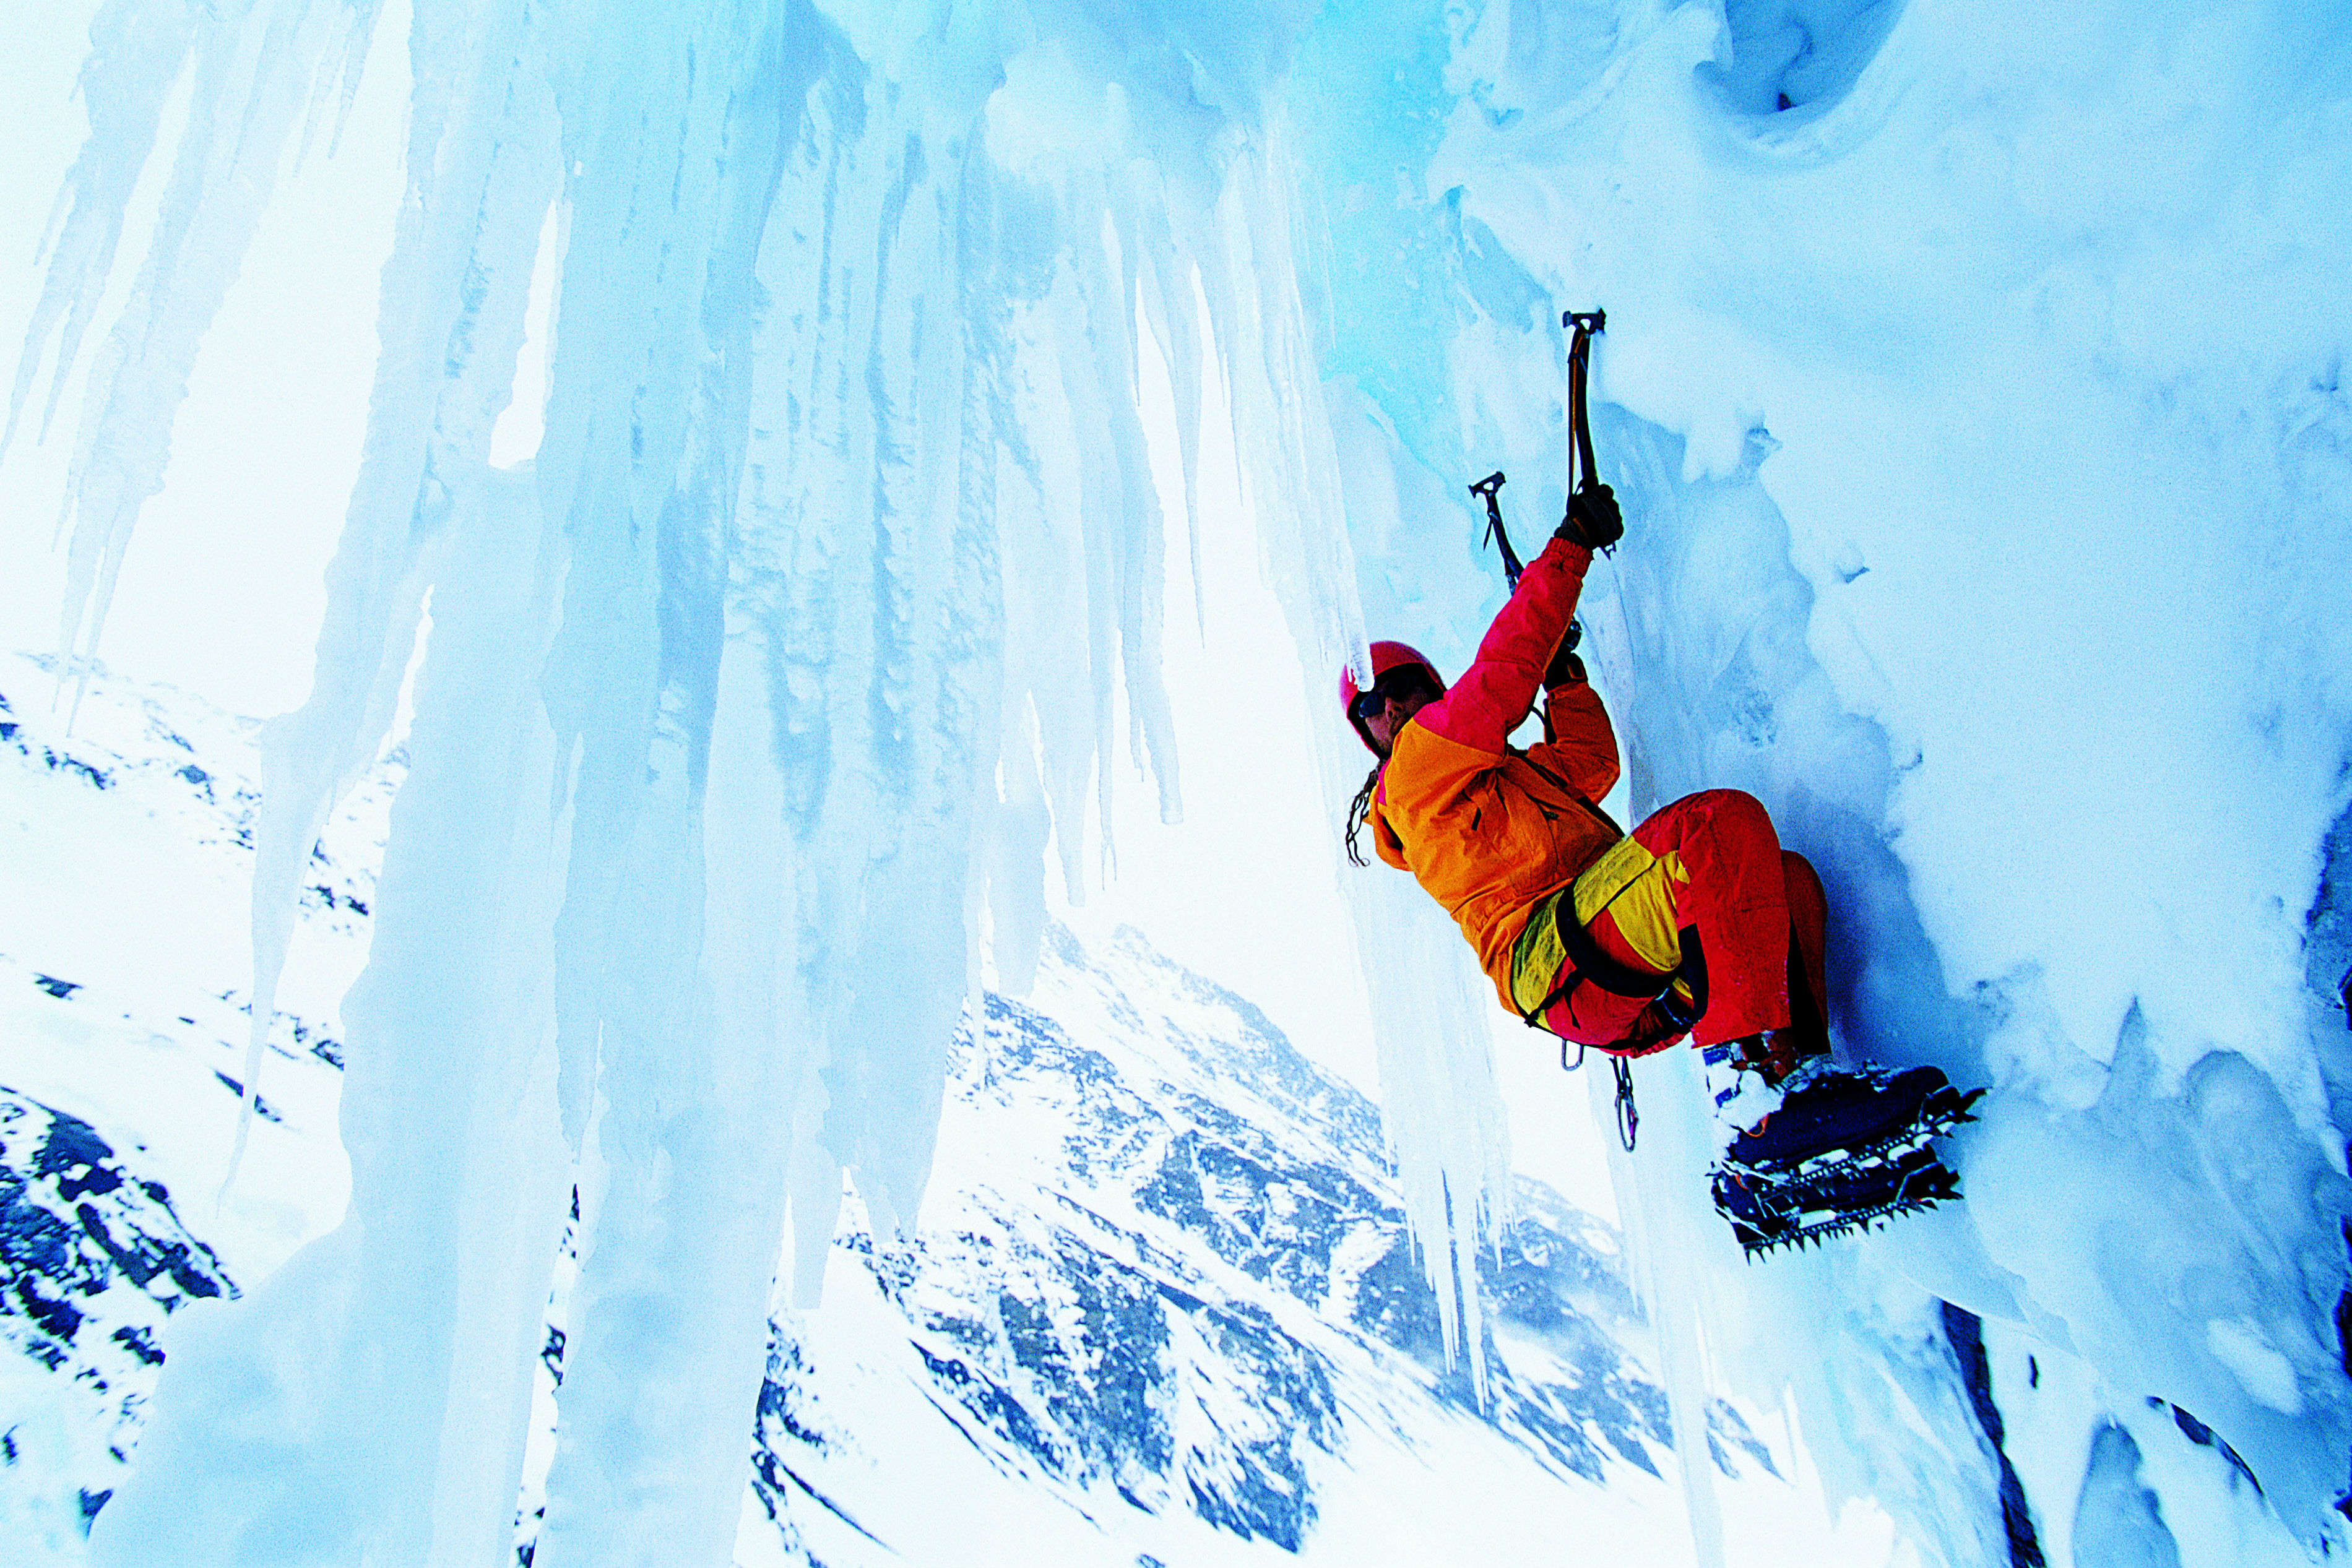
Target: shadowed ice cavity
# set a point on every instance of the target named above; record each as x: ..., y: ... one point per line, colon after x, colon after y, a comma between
x: 2327, y: 967
x: 1796, y: 54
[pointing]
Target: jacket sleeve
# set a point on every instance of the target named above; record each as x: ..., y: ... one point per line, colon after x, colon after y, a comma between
x: 1583, y: 746
x: 1482, y: 708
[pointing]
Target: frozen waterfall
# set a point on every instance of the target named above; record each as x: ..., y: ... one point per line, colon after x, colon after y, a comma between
x: 1974, y: 387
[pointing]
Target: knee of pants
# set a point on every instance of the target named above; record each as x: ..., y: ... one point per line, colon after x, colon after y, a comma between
x: 1731, y: 806
x: 1706, y: 810
x: 1737, y: 821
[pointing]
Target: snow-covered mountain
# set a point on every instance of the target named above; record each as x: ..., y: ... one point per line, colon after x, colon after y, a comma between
x: 1159, y: 1307
x: 1165, y: 1281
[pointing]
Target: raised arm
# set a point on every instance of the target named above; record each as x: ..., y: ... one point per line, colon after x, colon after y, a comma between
x: 1583, y: 746
x: 1482, y: 708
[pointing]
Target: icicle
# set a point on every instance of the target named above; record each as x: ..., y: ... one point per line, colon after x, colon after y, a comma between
x: 460, y: 286
x: 138, y: 49
x: 841, y: 484
x: 452, y: 319
x: 1168, y: 301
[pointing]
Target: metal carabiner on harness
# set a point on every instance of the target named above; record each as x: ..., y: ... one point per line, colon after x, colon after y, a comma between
x: 1629, y: 1120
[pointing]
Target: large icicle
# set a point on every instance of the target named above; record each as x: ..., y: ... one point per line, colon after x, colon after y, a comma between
x: 1442, y: 1105
x: 842, y: 482
x: 432, y: 1285
x: 674, y: 128
x: 481, y: 172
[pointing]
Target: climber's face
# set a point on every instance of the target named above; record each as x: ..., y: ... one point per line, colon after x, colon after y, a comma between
x: 1383, y: 727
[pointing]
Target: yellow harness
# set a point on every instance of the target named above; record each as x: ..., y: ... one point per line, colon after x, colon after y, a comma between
x: 1635, y: 887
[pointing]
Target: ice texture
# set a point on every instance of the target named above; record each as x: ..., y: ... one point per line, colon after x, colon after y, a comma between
x: 1974, y: 390
x: 1968, y: 534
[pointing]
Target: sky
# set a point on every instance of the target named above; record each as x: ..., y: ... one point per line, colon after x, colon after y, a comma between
x: 221, y: 592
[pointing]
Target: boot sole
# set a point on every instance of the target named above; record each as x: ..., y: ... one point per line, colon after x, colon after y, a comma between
x: 1921, y: 1189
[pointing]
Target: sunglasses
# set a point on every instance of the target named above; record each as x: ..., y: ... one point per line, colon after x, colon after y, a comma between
x: 1369, y: 702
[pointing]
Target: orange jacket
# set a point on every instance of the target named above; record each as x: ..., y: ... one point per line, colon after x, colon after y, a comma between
x: 1488, y: 830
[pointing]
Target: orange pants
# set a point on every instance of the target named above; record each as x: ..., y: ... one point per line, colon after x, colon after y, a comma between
x: 1753, y: 924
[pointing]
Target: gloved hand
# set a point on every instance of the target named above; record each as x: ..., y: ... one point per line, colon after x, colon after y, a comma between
x: 1593, y: 520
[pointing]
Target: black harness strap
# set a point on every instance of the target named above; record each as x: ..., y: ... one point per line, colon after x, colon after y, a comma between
x: 1587, y: 961
x: 1619, y: 979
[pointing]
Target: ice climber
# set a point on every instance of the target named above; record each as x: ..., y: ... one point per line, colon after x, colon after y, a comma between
x: 1696, y: 923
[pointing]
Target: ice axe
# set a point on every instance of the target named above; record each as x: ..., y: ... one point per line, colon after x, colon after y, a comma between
x: 1490, y: 490
x: 1584, y: 474
x: 1580, y: 359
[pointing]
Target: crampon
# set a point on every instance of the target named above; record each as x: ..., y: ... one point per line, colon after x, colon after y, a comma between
x: 1870, y: 1158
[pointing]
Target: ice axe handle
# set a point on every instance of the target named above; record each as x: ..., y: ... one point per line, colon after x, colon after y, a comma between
x: 1584, y: 474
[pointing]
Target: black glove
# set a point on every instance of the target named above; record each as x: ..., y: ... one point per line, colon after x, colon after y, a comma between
x: 1593, y: 520
x: 1566, y: 668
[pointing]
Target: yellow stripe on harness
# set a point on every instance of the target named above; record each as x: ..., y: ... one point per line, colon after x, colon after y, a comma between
x: 1620, y: 864
x: 1635, y: 887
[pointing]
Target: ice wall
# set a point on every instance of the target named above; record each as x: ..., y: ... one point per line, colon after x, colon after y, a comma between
x: 1974, y: 391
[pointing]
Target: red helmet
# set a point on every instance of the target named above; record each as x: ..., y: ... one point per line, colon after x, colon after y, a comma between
x: 1386, y: 656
